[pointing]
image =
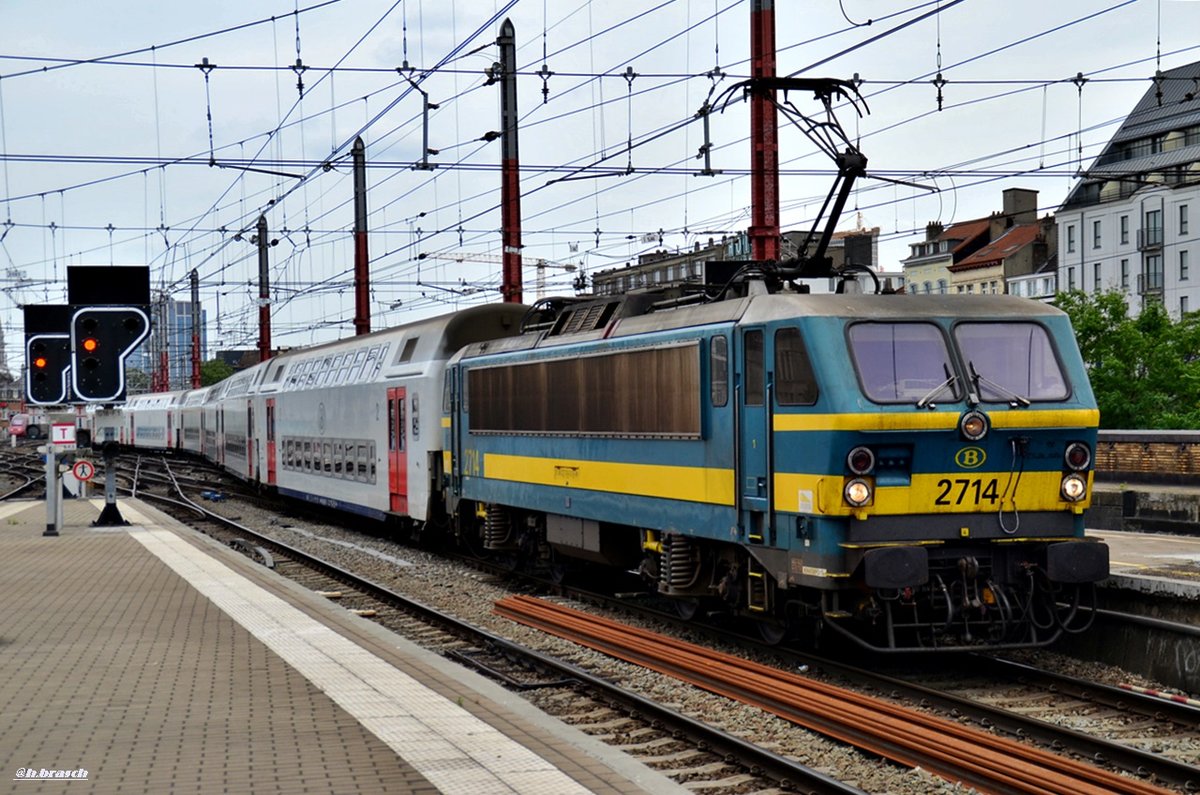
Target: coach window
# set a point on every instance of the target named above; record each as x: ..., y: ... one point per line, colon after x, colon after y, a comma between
x: 406, y: 353
x: 753, y: 343
x: 356, y: 367
x: 718, y: 366
x: 902, y: 362
x: 447, y: 390
x: 371, y: 462
x: 339, y: 455
x: 380, y: 357
x: 371, y: 363
x: 306, y: 456
x: 795, y: 384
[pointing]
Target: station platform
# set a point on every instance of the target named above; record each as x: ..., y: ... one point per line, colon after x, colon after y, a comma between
x: 149, y: 658
x: 1153, y: 563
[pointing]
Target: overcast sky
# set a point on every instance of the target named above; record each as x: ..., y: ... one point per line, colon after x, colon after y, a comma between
x: 106, y: 135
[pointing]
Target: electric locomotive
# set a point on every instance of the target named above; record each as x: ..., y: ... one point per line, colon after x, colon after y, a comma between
x: 909, y: 472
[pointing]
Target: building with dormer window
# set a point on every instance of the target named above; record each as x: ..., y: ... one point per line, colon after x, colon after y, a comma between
x: 1132, y: 223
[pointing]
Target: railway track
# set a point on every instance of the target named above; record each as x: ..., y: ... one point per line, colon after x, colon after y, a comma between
x: 714, y: 759
x: 630, y: 725
x: 906, y: 736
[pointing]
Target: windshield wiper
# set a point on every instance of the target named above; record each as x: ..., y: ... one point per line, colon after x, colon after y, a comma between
x: 951, y: 381
x: 1010, y: 396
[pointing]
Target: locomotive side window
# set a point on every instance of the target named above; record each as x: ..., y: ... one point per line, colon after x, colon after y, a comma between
x: 755, y: 387
x: 718, y: 366
x: 901, y: 362
x: 795, y: 384
x: 580, y: 395
x: 1011, y: 360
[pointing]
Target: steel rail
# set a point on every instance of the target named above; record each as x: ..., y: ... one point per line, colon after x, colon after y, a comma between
x: 948, y: 749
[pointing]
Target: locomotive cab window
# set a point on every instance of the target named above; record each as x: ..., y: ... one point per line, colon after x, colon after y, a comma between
x: 1011, y: 360
x: 795, y: 384
x: 902, y: 362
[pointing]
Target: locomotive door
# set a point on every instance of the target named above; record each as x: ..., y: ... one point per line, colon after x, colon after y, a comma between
x: 397, y: 451
x: 270, y: 441
x: 170, y: 429
x: 753, y: 443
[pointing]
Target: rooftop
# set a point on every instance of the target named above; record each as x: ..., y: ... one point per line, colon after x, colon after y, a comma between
x: 1009, y: 243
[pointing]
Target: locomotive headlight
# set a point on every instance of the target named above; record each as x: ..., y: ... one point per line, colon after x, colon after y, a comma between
x: 861, y: 460
x: 1074, y: 488
x: 973, y: 425
x: 1077, y: 456
x: 858, y: 492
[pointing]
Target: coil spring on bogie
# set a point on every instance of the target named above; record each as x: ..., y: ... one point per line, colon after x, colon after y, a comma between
x: 497, y: 528
x: 680, y: 568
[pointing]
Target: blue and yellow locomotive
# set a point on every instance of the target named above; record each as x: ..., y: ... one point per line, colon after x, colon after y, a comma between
x: 908, y: 471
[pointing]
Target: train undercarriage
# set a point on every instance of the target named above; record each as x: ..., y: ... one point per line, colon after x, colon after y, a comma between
x: 968, y: 601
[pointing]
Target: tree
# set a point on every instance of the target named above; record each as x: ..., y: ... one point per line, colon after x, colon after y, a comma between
x: 214, y: 371
x: 136, y: 381
x: 1145, y: 370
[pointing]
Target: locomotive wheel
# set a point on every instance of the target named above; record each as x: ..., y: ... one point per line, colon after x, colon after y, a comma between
x: 771, y: 631
x: 558, y: 568
x: 686, y: 608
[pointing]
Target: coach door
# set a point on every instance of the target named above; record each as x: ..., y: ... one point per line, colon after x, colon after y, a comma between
x: 270, y: 441
x: 251, y: 441
x: 753, y: 449
x: 397, y: 451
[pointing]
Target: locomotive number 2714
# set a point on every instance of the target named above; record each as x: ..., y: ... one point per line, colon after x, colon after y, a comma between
x: 966, y: 490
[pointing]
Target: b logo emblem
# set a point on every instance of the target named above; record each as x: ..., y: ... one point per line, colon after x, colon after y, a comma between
x: 970, y: 458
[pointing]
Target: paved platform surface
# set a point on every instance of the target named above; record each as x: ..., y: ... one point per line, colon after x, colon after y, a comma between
x: 1153, y: 562
x: 150, y: 659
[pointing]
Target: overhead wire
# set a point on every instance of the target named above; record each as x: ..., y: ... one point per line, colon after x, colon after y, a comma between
x: 198, y: 227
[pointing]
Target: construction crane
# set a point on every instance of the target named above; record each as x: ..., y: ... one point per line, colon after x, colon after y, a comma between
x: 541, y: 264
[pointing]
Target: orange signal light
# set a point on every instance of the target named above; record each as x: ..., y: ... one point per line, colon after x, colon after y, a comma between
x: 90, y: 344
x: 39, y: 362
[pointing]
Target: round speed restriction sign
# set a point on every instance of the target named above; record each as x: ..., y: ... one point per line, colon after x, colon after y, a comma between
x: 83, y: 470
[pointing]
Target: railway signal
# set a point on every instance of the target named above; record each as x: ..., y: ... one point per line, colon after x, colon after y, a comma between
x: 102, y: 337
x: 49, y: 360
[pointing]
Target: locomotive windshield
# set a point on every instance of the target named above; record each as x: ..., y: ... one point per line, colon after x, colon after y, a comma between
x: 1011, y: 361
x: 902, y: 362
